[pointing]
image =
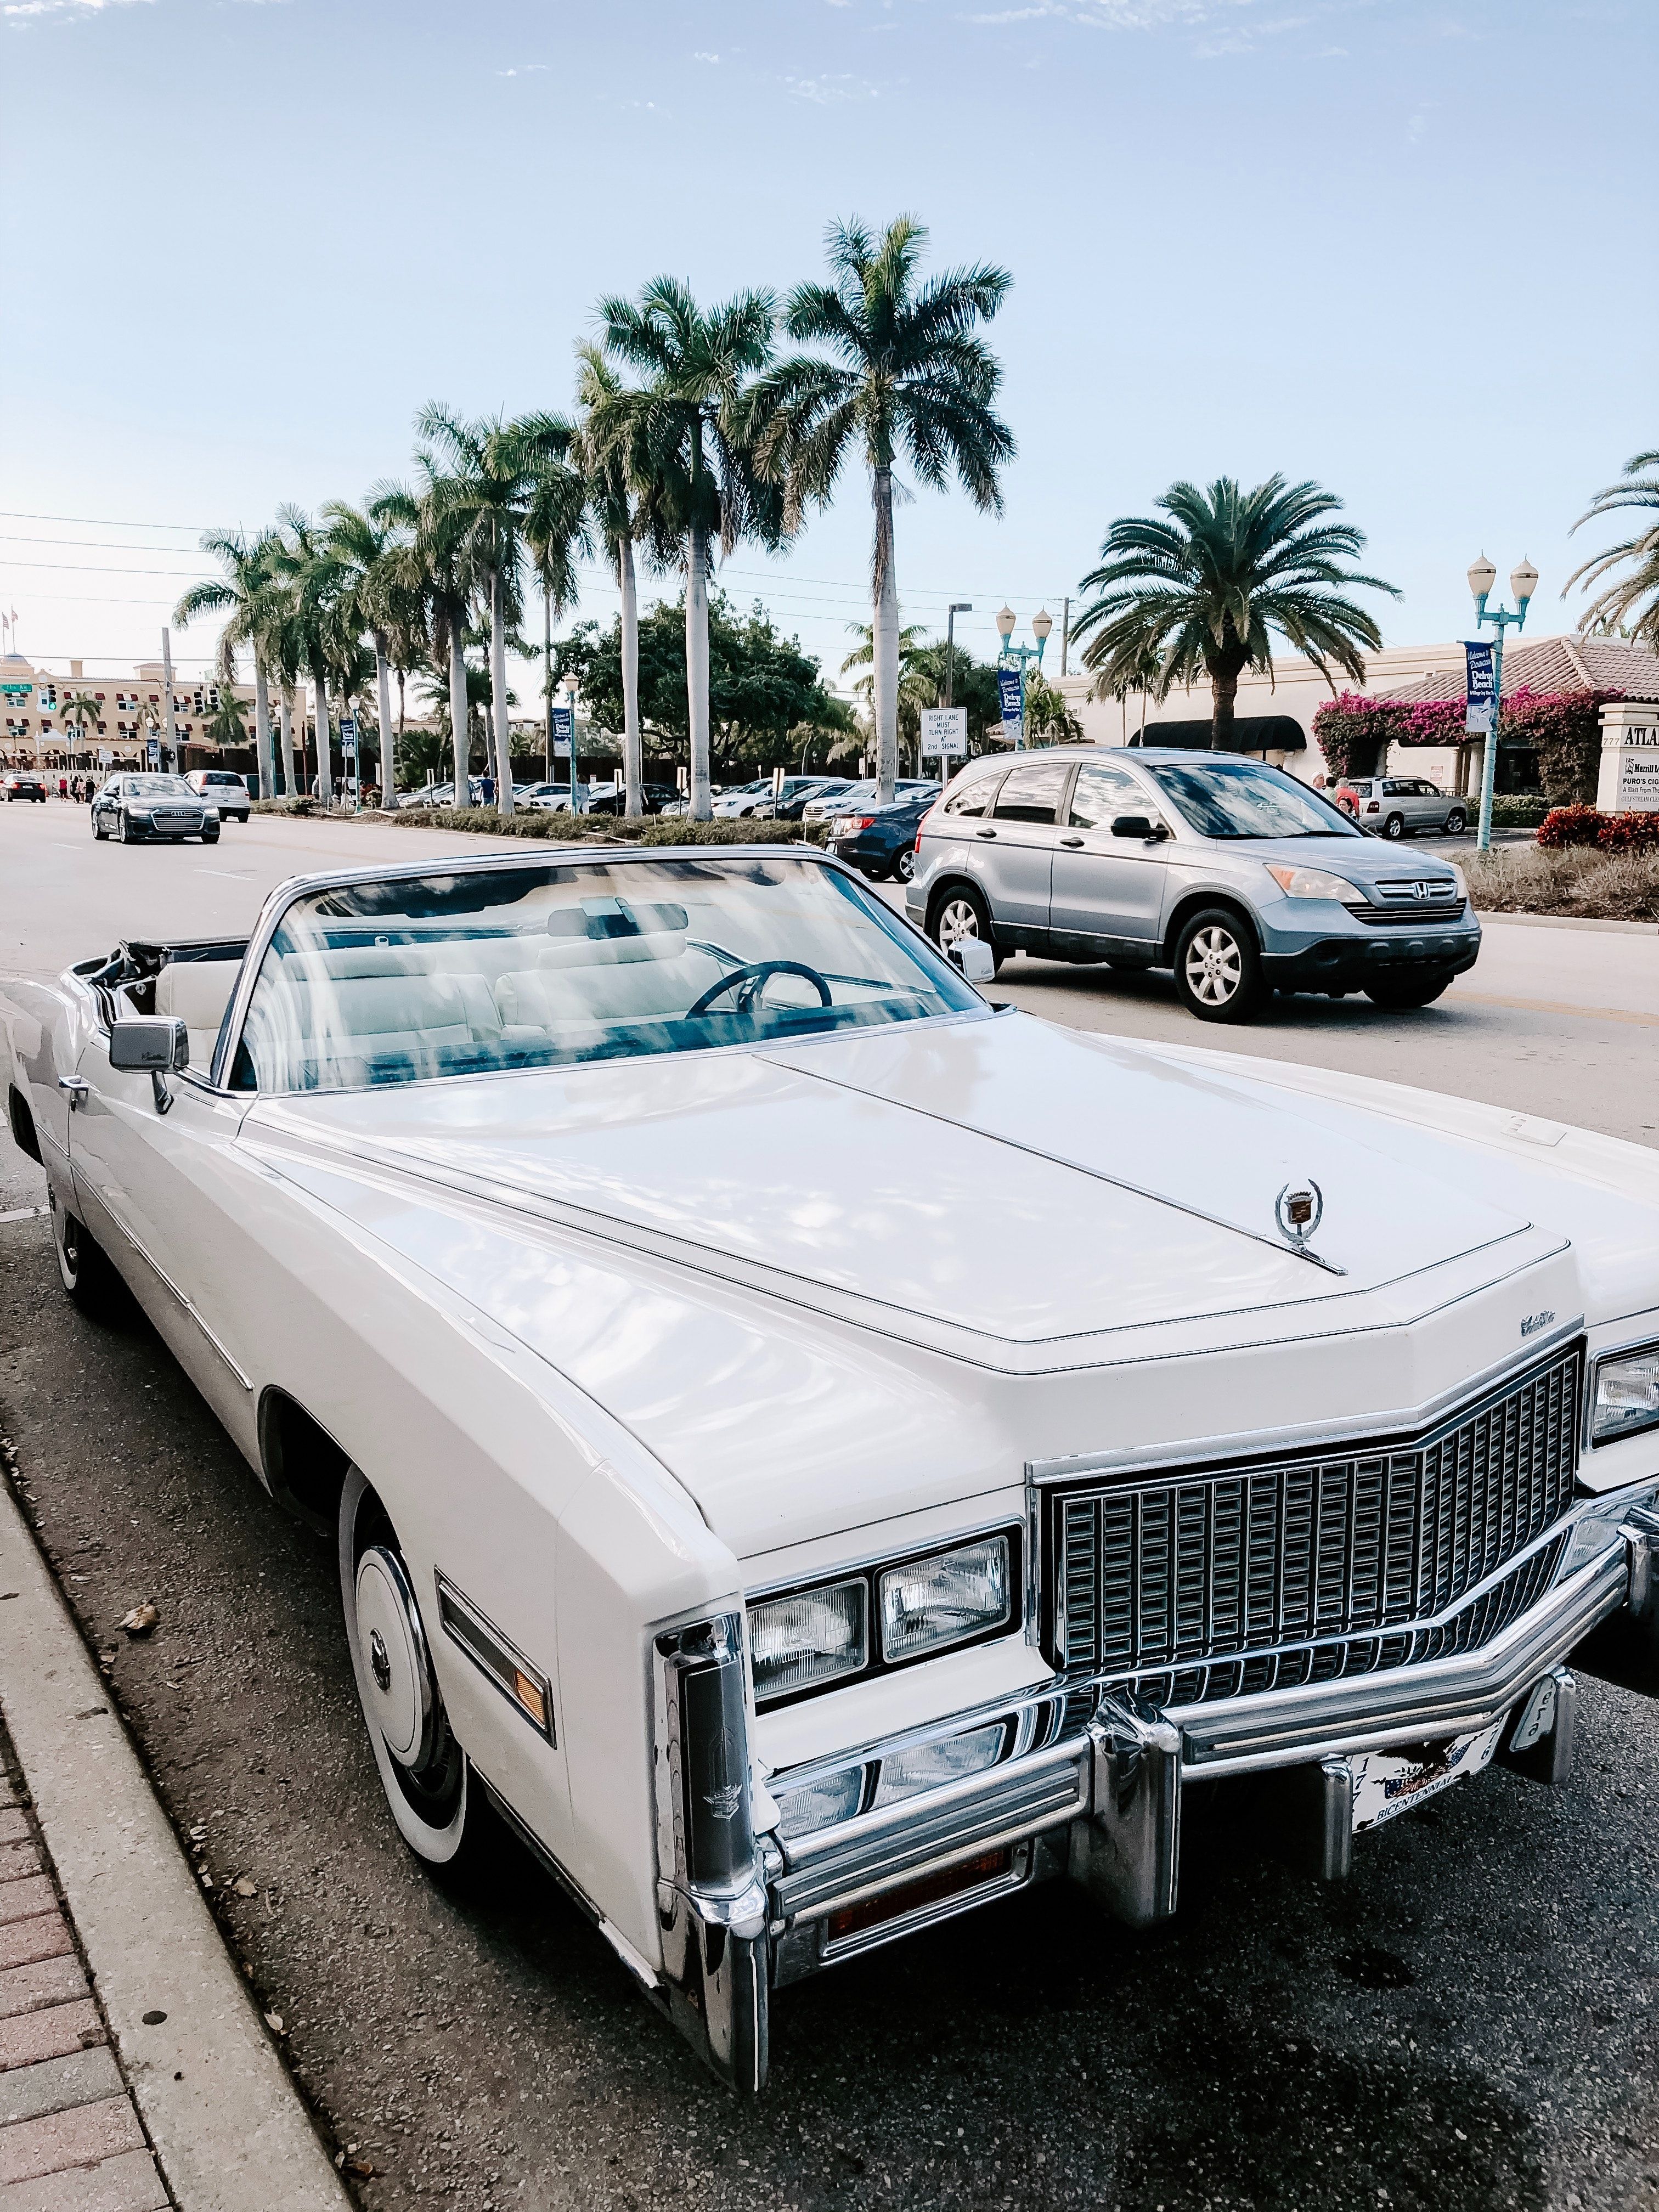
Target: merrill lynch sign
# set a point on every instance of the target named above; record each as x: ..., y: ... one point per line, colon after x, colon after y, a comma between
x: 1629, y: 782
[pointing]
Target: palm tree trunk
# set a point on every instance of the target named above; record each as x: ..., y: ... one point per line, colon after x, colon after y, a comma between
x: 460, y: 720
x: 285, y: 731
x: 498, y: 692
x: 697, y: 670
x: 262, y: 728
x: 884, y: 642
x: 325, y: 738
x: 633, y: 756
x: 383, y: 707
x: 1224, y: 690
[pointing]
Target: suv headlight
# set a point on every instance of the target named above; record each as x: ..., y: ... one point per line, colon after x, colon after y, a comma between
x: 815, y: 1636
x: 1626, y: 1395
x: 1315, y: 882
x: 939, y: 1601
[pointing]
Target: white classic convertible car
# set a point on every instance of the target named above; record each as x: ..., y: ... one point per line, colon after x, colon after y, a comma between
x: 816, y: 1451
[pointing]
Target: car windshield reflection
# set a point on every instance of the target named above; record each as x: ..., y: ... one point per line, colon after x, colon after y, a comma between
x: 399, y: 981
x: 1244, y: 798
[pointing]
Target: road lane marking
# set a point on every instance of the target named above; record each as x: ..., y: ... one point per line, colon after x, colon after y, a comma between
x: 1559, y: 1007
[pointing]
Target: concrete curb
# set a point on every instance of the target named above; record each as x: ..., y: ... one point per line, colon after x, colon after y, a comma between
x: 1568, y: 922
x: 226, y: 2123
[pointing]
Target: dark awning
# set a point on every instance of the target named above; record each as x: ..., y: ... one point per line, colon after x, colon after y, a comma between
x: 1252, y: 734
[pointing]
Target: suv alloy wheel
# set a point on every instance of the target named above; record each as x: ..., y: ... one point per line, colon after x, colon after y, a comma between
x: 960, y: 913
x: 1217, y: 970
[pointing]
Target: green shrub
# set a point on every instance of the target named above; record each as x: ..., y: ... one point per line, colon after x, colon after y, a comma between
x: 609, y: 829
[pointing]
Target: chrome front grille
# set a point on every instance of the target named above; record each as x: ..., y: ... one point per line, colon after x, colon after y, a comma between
x: 1179, y: 1572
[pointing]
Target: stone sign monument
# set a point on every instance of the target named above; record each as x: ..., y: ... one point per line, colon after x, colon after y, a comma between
x: 1629, y: 779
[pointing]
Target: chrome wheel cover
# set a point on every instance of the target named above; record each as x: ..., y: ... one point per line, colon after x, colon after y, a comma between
x: 1214, y: 966
x: 399, y: 1692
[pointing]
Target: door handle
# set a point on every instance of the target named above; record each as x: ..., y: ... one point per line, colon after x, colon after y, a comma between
x: 75, y: 1089
x: 1069, y: 841
x: 985, y: 833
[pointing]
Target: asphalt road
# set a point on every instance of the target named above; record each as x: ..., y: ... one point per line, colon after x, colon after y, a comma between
x: 1465, y: 2025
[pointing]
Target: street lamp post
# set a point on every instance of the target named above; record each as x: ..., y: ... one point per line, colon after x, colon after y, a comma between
x: 570, y: 701
x: 960, y: 607
x: 1523, y: 582
x: 1016, y: 656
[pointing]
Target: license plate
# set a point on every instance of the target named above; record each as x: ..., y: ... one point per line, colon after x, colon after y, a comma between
x: 1386, y: 1784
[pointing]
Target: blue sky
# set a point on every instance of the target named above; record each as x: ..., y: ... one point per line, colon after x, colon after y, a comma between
x: 1402, y: 246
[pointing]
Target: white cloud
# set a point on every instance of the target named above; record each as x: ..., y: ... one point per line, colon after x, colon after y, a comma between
x: 705, y: 58
x: 828, y: 91
x: 21, y: 10
x: 525, y: 68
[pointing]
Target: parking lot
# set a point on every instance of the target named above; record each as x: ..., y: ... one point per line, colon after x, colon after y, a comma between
x: 1467, y: 2025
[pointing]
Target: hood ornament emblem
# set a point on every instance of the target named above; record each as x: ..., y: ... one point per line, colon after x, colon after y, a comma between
x: 1299, y: 1209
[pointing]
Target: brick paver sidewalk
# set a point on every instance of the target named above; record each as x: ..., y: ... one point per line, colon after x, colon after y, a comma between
x: 70, y: 2135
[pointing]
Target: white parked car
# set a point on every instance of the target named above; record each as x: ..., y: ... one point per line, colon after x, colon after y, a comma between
x: 816, y: 1452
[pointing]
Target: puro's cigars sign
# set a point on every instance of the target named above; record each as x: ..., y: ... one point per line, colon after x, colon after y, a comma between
x: 1629, y: 779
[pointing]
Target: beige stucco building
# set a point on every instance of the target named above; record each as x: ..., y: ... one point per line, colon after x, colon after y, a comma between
x: 36, y: 733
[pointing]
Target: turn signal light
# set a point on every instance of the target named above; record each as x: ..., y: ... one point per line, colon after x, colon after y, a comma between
x: 913, y: 1896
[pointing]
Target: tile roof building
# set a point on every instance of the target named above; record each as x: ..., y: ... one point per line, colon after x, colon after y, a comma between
x: 1554, y: 664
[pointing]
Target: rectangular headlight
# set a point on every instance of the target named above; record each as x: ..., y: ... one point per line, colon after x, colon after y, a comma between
x: 815, y: 1636
x: 1626, y: 1395
x: 936, y: 1601
x: 929, y: 1766
x: 820, y: 1804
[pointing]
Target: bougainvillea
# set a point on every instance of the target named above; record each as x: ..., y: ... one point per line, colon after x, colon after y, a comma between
x: 1613, y: 833
x: 1565, y: 727
x: 1353, y: 731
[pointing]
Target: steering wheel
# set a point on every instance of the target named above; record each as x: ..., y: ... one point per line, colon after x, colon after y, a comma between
x: 751, y: 979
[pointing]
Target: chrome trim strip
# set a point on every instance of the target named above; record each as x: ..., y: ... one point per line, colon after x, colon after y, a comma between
x: 172, y: 1289
x: 1306, y: 1436
x: 453, y: 1600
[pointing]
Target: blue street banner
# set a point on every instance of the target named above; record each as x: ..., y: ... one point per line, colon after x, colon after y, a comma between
x: 348, y: 736
x: 1481, y: 687
x: 563, y: 718
x: 1010, y: 690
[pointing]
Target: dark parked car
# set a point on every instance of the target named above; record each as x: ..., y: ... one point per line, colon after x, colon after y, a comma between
x: 881, y: 840
x: 20, y: 783
x: 614, y: 800
x: 130, y: 807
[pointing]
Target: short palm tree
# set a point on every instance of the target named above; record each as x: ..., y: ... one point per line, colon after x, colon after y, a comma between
x: 1628, y: 605
x: 1203, y: 593
x: 245, y: 595
x: 81, y: 707
x: 692, y: 462
x: 227, y: 725
x: 918, y: 684
x: 907, y: 375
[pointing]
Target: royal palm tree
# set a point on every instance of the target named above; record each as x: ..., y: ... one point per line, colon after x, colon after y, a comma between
x: 693, y: 464
x: 316, y: 623
x: 907, y: 375
x: 368, y: 552
x: 610, y: 452
x: 1635, y: 595
x: 435, y: 574
x: 557, y: 535
x: 247, y: 596
x: 1204, y: 593
x: 484, y: 477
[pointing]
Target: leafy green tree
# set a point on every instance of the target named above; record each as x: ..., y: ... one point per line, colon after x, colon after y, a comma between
x: 248, y: 595
x: 918, y: 684
x: 766, y: 699
x: 1048, y: 720
x: 1203, y: 594
x: 691, y: 457
x: 907, y: 375
x: 1629, y: 606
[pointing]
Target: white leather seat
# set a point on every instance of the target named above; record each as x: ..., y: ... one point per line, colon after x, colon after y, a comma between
x: 197, y: 993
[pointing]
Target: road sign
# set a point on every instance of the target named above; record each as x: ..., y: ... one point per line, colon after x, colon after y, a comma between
x: 348, y: 736
x: 153, y: 751
x: 944, y: 732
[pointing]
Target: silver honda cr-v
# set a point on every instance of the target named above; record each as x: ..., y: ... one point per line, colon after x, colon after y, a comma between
x: 1233, y: 874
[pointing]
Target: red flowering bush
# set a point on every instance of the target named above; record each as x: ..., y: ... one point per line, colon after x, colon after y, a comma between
x: 1629, y: 833
x: 1354, y: 732
x: 1565, y: 727
x: 1569, y: 825
x: 1612, y: 833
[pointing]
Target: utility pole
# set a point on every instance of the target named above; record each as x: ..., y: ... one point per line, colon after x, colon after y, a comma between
x: 171, y: 732
x: 962, y: 607
x: 1064, y: 631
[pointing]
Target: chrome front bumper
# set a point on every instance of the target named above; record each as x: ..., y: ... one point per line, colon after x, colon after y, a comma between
x: 1103, y: 1805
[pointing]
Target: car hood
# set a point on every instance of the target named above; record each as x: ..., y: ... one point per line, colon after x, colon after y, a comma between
x: 1361, y: 860
x: 833, y: 1284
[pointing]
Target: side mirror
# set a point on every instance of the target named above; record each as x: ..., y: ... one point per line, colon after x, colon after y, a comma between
x: 1137, y: 825
x: 152, y: 1044
x: 976, y: 959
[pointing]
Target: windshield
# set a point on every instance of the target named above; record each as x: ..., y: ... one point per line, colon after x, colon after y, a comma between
x: 156, y: 787
x: 1243, y: 799
x: 547, y: 965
